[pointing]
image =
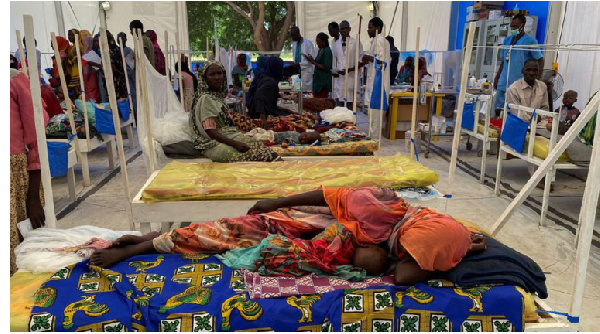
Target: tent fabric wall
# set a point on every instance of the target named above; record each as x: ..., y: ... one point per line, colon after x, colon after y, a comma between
x: 156, y: 15
x: 313, y: 17
x: 434, y: 19
x: 44, y: 16
x: 581, y: 74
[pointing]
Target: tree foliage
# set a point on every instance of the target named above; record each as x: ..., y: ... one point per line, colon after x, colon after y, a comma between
x: 238, y: 23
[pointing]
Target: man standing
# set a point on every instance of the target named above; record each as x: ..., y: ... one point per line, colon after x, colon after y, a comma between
x: 380, y: 49
x: 38, y: 53
x: 339, y: 62
x: 302, y: 46
x: 395, y: 57
x: 349, y: 46
x: 510, y: 69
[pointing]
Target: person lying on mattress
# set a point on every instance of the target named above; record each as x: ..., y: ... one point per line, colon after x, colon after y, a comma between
x: 212, y: 128
x: 423, y: 240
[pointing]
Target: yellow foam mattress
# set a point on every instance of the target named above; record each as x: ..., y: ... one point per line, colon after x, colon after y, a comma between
x: 23, y: 286
x: 253, y: 180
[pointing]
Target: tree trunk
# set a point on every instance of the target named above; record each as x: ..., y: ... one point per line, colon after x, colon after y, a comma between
x: 261, y: 37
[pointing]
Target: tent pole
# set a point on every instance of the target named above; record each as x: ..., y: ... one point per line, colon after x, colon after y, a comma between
x: 461, y: 104
x: 415, y: 95
x: 587, y: 218
x: 40, y: 129
x: 81, y: 82
x: 22, y: 54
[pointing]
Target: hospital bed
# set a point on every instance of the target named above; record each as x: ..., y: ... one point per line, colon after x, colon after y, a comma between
x: 482, y: 132
x: 193, y: 192
x: 536, y: 150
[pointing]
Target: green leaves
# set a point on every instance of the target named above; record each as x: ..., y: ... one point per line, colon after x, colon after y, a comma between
x: 41, y: 322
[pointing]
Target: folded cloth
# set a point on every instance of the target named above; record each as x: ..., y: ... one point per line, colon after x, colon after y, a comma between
x: 272, y: 287
x: 338, y: 115
x: 499, y: 264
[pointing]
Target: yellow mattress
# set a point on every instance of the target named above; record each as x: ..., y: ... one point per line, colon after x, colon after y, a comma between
x: 253, y: 180
x: 361, y: 147
x: 23, y: 286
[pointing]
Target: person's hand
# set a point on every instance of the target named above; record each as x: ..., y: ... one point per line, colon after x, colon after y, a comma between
x: 549, y: 124
x: 310, y: 58
x: 241, y: 147
x: 342, y: 72
x: 335, y: 75
x: 263, y: 206
x: 35, y: 212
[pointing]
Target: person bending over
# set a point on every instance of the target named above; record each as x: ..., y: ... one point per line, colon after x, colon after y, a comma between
x: 423, y: 240
x: 264, y: 92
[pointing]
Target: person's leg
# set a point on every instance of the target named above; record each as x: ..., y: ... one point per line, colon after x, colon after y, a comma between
x: 499, y: 104
x: 106, y: 258
x: 408, y: 273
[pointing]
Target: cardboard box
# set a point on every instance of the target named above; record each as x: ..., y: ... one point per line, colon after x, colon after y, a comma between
x: 495, y: 14
x: 480, y: 5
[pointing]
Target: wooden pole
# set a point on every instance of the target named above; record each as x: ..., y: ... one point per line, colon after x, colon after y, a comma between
x: 346, y: 72
x: 63, y: 85
x: 179, y: 72
x: 40, y: 128
x: 22, y: 54
x: 85, y: 113
x: 126, y: 82
x: 167, y: 69
x: 460, y: 104
x: 357, y: 45
x: 383, y: 78
x: 141, y: 63
x: 207, y: 48
x: 413, y: 122
x: 112, y: 98
x: 560, y: 147
x: 587, y: 218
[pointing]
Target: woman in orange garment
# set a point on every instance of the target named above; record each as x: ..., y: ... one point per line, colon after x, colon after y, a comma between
x: 424, y: 241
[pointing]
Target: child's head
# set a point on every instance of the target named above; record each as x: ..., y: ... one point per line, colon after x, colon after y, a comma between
x: 309, y: 137
x: 569, y: 98
x: 371, y: 258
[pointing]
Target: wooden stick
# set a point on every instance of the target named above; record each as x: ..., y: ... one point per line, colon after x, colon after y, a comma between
x: 179, y: 72
x: 461, y: 105
x: 141, y: 67
x: 40, y: 129
x: 167, y: 69
x: 587, y: 218
x: 560, y: 147
x: 383, y: 78
x: 207, y: 49
x: 357, y: 45
x: 85, y: 114
x: 346, y: 72
x: 126, y: 82
x: 112, y: 98
x: 22, y: 54
x: 63, y: 85
x: 413, y: 122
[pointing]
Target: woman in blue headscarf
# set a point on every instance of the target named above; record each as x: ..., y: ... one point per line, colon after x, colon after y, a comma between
x: 264, y: 92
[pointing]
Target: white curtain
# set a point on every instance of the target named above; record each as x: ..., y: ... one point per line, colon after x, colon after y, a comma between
x: 580, y: 69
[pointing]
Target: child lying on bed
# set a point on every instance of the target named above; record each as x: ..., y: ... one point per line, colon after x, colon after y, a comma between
x: 424, y: 241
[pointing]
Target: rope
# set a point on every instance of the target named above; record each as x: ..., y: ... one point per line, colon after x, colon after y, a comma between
x: 394, y: 16
x: 78, y: 24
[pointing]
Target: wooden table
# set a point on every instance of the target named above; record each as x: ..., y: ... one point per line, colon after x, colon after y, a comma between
x: 403, y: 112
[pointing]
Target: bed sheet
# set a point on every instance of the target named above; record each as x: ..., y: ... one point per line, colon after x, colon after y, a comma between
x: 191, y: 293
x: 253, y: 180
x: 23, y: 286
x: 362, y: 147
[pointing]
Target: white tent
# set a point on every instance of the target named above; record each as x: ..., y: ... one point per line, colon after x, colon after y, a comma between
x: 59, y: 16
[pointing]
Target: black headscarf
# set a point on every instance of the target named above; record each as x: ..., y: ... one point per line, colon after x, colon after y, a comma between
x: 274, y: 68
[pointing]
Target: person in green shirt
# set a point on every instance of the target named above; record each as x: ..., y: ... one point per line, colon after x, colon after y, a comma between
x: 239, y: 72
x: 323, y: 62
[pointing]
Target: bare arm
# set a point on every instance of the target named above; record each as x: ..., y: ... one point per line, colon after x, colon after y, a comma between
x: 216, y: 135
x: 408, y: 273
x: 35, y: 211
x: 313, y: 198
x: 497, y: 77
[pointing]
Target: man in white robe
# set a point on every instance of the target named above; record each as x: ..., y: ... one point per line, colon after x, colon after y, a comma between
x: 300, y: 47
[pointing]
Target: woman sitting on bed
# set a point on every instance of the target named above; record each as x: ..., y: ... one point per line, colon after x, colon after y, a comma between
x: 211, y: 124
x: 423, y: 240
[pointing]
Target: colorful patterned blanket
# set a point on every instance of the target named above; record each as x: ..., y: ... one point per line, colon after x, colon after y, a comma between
x: 198, y: 293
x: 257, y: 180
x: 362, y: 147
